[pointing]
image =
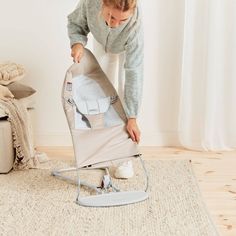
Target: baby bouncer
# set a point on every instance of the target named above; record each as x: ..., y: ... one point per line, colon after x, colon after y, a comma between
x: 97, y: 123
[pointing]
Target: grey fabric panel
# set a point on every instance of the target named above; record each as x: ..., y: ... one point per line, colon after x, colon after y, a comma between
x: 101, y: 143
x: 87, y: 89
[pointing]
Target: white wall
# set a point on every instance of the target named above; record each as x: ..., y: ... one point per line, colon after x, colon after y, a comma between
x: 33, y: 33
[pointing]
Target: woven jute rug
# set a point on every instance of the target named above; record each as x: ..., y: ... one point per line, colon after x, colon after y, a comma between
x: 33, y: 202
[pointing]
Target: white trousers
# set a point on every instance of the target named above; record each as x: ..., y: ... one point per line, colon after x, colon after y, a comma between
x: 113, y: 67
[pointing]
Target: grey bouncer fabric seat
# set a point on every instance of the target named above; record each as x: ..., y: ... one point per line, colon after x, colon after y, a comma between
x: 97, y: 123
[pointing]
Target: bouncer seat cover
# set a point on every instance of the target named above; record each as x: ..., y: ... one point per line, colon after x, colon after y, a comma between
x: 95, y: 116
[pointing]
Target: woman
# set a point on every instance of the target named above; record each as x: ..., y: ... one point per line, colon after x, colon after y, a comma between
x: 117, y: 29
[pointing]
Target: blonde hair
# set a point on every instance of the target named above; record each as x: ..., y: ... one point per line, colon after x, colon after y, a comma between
x: 123, y: 5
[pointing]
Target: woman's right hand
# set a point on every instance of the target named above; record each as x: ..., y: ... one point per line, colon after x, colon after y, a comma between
x: 77, y: 51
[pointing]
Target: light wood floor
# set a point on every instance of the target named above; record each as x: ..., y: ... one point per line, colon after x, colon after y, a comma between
x: 215, y: 171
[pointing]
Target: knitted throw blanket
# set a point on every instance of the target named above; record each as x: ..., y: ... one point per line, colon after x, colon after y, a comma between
x: 22, y: 134
x: 10, y: 72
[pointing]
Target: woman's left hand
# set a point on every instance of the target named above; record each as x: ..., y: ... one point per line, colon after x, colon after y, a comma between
x: 133, y: 129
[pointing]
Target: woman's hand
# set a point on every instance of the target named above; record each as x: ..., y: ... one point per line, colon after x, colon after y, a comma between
x: 133, y: 129
x: 77, y: 51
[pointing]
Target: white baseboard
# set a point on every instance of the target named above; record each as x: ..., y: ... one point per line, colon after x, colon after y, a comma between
x: 147, y: 139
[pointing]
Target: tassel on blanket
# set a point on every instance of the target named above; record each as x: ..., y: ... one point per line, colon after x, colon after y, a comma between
x: 22, y: 134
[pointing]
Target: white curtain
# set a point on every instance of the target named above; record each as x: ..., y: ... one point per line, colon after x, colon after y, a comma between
x: 207, y: 112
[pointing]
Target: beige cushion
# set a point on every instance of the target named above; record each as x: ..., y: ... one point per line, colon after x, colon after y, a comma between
x: 5, y: 93
x: 10, y: 72
x: 20, y: 90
